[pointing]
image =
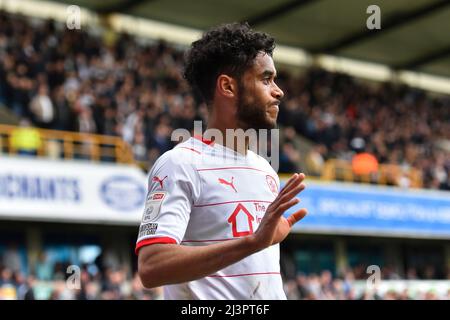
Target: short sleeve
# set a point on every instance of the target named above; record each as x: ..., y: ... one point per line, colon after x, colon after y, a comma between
x: 173, y: 187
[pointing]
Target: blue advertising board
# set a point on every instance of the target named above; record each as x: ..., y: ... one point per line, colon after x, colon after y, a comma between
x: 364, y: 209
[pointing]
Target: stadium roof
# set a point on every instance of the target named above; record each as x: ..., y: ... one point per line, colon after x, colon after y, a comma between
x: 414, y: 34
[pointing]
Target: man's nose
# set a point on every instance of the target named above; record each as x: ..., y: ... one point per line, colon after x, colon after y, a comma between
x: 277, y: 92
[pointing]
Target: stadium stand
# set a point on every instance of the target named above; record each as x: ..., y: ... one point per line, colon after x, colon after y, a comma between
x: 76, y: 81
x: 119, y: 283
x: 125, y: 96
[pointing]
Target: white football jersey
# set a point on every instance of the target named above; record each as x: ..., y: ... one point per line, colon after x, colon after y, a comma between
x: 198, y: 197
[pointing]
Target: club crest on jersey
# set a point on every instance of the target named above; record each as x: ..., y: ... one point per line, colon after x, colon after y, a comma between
x: 153, y: 206
x: 272, y: 185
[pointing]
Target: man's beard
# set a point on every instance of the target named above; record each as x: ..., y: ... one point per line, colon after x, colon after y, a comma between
x: 252, y: 115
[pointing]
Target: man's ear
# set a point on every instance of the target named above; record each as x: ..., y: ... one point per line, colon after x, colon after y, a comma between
x: 226, y: 86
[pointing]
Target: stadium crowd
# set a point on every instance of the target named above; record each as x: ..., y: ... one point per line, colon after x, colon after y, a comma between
x: 115, y: 84
x: 324, y: 286
x: 106, y: 278
x: 121, y: 284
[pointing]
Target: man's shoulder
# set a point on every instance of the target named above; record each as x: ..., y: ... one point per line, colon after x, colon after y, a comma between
x: 183, y: 155
x: 262, y: 163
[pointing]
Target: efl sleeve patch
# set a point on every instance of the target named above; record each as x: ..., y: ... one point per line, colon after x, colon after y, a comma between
x: 153, y: 206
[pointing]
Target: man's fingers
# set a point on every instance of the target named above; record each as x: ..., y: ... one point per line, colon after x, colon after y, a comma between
x: 288, y: 196
x: 296, y: 216
x: 292, y: 193
x: 294, y: 181
x: 284, y: 200
x: 290, y: 181
x: 285, y: 206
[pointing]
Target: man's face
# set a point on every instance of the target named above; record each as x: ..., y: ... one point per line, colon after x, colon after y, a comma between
x: 259, y: 96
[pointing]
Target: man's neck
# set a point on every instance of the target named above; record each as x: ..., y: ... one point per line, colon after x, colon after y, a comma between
x: 230, y: 142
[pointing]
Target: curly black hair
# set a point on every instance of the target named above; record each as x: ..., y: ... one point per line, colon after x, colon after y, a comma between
x: 228, y: 49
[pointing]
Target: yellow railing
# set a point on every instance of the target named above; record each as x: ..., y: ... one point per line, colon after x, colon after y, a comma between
x: 388, y: 174
x: 72, y: 145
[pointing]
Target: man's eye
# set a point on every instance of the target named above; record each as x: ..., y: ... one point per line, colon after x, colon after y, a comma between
x: 266, y: 80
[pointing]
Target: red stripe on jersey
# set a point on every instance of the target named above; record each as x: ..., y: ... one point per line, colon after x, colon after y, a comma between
x: 150, y: 241
x: 242, y: 275
x: 190, y: 149
x: 228, y: 168
x: 219, y: 203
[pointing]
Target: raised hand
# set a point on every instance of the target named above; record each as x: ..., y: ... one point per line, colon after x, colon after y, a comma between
x: 274, y: 227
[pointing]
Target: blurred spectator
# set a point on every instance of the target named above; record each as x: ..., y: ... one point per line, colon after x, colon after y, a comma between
x: 7, y: 287
x: 431, y: 295
x: 289, y: 159
x: 429, y: 272
x: 302, y: 286
x: 404, y: 295
x: 291, y: 290
x: 108, y: 260
x: 411, y: 274
x: 44, y: 267
x: 25, y: 139
x: 12, y: 259
x: 315, y: 160
x: 25, y: 287
x: 364, y: 163
x: 42, y: 108
x: 139, y: 148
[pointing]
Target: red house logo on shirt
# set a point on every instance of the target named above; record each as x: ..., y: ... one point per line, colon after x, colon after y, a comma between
x: 233, y: 220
